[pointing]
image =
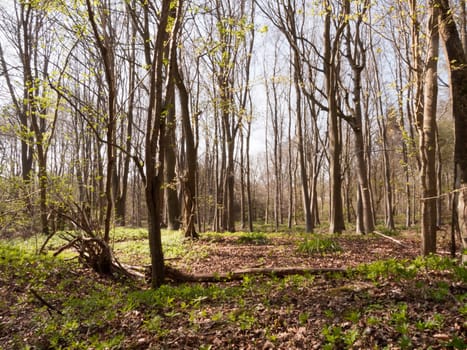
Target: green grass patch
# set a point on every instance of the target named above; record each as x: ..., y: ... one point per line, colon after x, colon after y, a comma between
x: 258, y: 238
x: 186, y: 294
x: 215, y: 237
x: 317, y: 244
x: 409, y: 269
x: 129, y: 233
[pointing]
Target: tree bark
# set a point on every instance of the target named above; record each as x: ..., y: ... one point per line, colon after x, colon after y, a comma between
x: 155, y: 53
x: 301, y: 148
x: 336, y: 219
x: 105, y: 46
x: 427, y: 134
x: 458, y: 78
x: 356, y: 56
x: 170, y: 178
x: 189, y: 175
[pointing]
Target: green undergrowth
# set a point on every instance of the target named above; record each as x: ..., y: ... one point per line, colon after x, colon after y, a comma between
x: 409, y: 269
x: 240, y: 237
x: 258, y: 238
x: 83, y: 308
x: 389, y: 298
x: 318, y: 244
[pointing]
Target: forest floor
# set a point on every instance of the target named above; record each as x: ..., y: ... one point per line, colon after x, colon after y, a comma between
x: 386, y: 297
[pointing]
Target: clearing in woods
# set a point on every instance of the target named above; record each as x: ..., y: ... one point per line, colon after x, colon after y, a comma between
x: 384, y: 297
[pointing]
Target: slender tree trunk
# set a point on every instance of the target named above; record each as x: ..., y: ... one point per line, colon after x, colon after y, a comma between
x: 105, y: 45
x: 389, y: 208
x: 242, y: 181
x: 122, y: 197
x: 170, y: 177
x: 152, y: 170
x: 268, y: 175
x: 359, y: 148
x: 153, y: 191
x: 300, y: 145
x: 248, y: 178
x: 336, y: 219
x: 439, y: 183
x: 290, y: 162
x: 189, y: 178
x: 428, y: 138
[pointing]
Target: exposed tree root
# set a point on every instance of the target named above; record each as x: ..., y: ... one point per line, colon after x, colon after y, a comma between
x: 95, y: 253
x: 180, y: 276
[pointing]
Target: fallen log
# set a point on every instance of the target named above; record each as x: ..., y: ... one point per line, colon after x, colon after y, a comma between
x: 180, y: 276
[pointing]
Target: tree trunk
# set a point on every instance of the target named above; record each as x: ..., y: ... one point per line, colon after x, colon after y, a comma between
x: 242, y: 181
x: 428, y: 139
x: 301, y: 160
x: 359, y: 147
x: 458, y: 78
x: 105, y: 46
x: 153, y: 203
x: 336, y: 219
x: 170, y: 178
x: 248, y: 179
x: 300, y: 139
x: 189, y: 175
x: 387, y: 181
x: 152, y: 171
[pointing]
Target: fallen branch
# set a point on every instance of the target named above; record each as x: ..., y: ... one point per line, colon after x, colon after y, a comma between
x: 49, y: 236
x: 45, y: 302
x: 69, y: 245
x: 137, y: 272
x: 388, y: 237
x: 180, y: 276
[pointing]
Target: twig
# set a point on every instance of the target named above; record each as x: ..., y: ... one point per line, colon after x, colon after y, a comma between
x: 66, y: 246
x: 388, y: 237
x: 46, y: 241
x: 43, y: 301
x: 444, y: 194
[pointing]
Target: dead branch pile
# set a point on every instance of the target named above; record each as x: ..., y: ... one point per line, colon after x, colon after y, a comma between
x: 93, y: 252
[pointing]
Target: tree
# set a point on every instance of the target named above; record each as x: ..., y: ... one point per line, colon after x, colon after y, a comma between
x: 190, y: 166
x: 331, y: 65
x: 36, y: 106
x: 283, y: 15
x: 104, y: 41
x: 458, y: 77
x: 427, y: 134
x: 356, y: 56
x: 277, y: 125
x: 170, y: 178
x: 158, y: 53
